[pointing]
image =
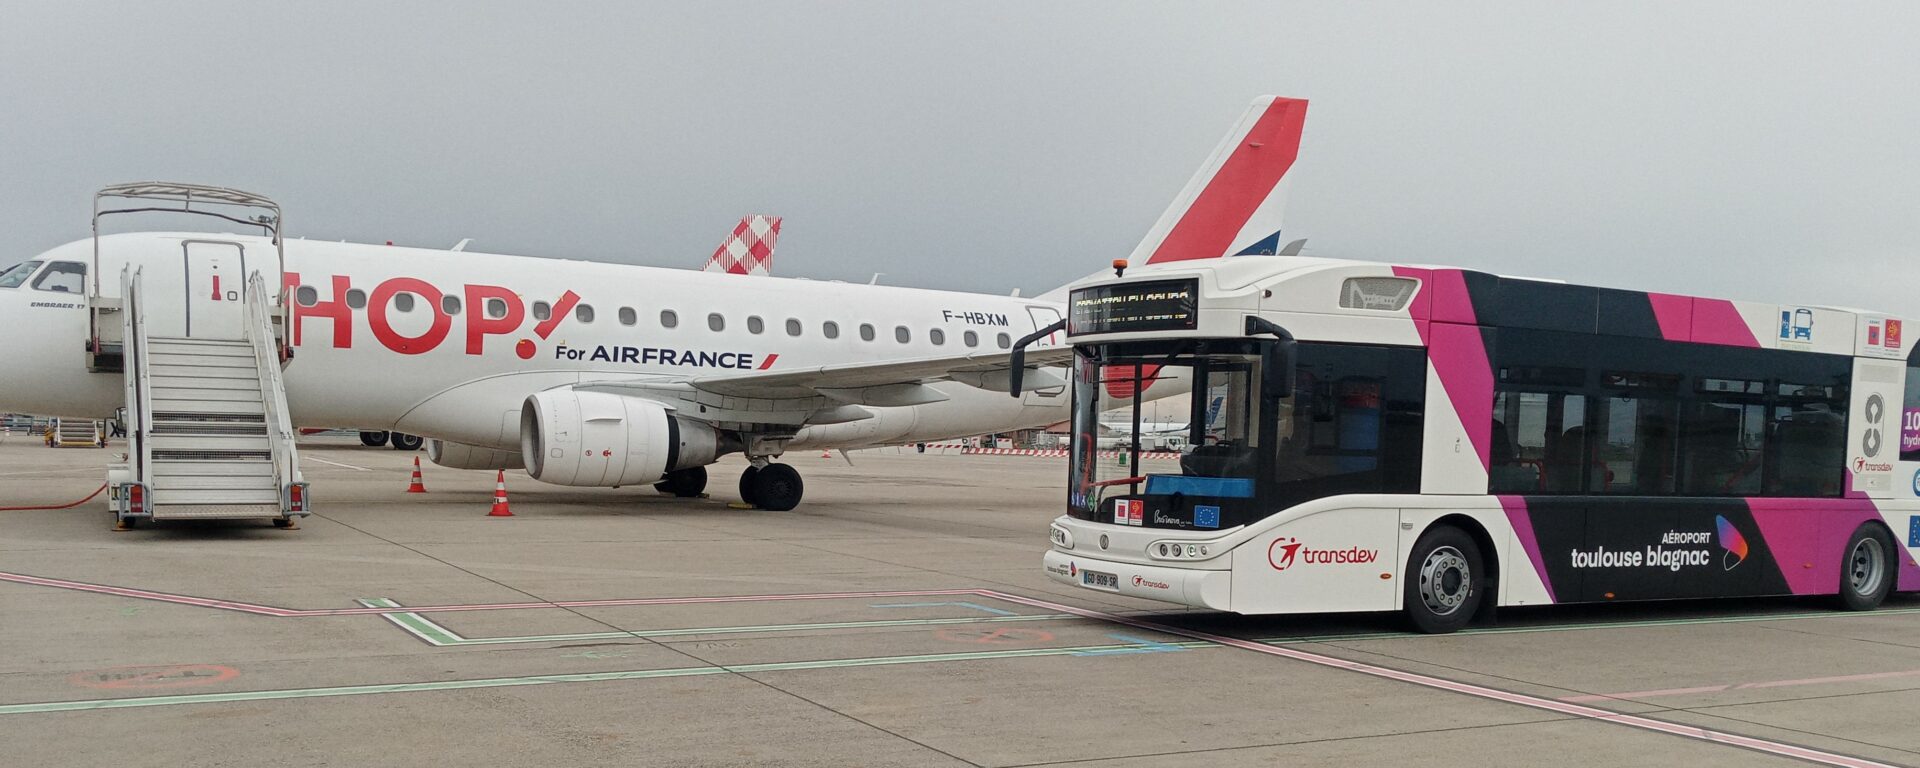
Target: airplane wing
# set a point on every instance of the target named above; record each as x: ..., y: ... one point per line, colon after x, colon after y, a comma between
x: 834, y: 393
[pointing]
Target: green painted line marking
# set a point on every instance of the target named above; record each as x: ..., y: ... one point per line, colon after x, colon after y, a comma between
x: 505, y: 682
x: 434, y: 634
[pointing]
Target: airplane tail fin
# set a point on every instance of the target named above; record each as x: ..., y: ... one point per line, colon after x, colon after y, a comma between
x: 749, y: 250
x: 1232, y: 205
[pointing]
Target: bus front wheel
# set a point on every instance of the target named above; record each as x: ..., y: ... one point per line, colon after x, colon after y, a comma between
x: 1865, y: 575
x: 1443, y: 581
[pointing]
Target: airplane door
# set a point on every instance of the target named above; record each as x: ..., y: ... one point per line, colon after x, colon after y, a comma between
x: 216, y: 285
x: 1043, y: 317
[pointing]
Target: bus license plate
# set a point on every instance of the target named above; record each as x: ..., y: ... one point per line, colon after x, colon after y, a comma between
x: 1099, y: 580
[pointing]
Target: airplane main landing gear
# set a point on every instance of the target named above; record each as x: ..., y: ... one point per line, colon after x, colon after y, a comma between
x: 373, y: 439
x: 684, y: 483
x: 404, y: 442
x: 773, y: 487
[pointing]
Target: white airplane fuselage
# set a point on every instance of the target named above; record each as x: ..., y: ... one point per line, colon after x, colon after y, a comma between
x: 378, y: 344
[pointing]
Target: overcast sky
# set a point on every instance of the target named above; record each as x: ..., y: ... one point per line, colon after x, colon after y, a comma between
x: 1766, y: 151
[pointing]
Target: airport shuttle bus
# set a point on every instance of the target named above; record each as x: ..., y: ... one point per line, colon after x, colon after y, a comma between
x: 1369, y: 437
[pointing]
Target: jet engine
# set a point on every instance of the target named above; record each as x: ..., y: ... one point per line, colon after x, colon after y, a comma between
x: 464, y: 456
x: 568, y: 437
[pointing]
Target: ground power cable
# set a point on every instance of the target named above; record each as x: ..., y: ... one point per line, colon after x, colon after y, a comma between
x: 96, y: 492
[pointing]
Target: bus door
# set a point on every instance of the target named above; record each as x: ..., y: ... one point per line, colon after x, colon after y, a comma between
x: 215, y: 289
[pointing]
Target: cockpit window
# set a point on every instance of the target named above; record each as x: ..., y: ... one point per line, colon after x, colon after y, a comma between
x: 17, y: 274
x: 62, y: 277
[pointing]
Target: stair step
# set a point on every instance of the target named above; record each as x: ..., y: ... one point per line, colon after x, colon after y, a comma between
x: 249, y: 443
x: 163, y: 370
x: 206, y: 400
x: 249, y: 384
x: 201, y: 361
x: 162, y: 482
x: 241, y: 468
x: 160, y: 415
x: 207, y: 429
x: 212, y: 408
x: 234, y: 348
x: 215, y: 511
x: 216, y: 456
x: 217, y: 496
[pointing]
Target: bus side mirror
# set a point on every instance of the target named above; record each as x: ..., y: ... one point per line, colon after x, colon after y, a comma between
x: 1276, y: 377
x: 1018, y: 373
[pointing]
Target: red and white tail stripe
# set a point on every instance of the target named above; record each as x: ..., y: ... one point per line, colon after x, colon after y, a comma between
x: 1234, y: 202
x: 749, y: 250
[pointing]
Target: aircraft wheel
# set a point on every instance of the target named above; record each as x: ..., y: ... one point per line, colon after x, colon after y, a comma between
x: 373, y: 439
x: 777, y: 488
x: 403, y: 442
x: 684, y: 483
x: 749, y: 491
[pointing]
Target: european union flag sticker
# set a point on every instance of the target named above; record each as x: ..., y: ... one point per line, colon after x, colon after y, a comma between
x: 1208, y: 516
x: 1913, y: 531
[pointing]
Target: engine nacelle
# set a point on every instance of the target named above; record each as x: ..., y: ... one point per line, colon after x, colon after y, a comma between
x: 464, y: 456
x: 568, y: 437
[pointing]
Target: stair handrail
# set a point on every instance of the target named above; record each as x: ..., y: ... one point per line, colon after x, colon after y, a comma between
x: 273, y: 393
x: 224, y: 203
x: 139, y: 381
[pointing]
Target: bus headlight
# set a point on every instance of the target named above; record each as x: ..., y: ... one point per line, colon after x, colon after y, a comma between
x: 1175, y: 550
x: 1061, y: 538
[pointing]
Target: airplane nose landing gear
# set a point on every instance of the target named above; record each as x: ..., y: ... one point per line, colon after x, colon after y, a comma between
x: 773, y: 487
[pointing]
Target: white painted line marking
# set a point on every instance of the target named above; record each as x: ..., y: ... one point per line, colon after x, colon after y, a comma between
x: 338, y: 464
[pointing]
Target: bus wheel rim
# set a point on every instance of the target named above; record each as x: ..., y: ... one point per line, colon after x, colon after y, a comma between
x: 1866, y: 565
x: 1445, y: 580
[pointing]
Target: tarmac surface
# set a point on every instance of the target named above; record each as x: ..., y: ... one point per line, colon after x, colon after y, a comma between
x: 898, y: 618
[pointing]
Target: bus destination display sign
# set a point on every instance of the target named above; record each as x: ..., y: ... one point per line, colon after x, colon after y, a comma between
x: 1159, y: 305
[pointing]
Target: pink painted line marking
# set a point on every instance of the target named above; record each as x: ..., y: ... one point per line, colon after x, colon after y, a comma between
x: 1562, y: 707
x: 1745, y: 686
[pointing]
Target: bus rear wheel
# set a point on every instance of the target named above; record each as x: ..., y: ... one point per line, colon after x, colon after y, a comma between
x: 1866, y: 575
x: 1443, y: 581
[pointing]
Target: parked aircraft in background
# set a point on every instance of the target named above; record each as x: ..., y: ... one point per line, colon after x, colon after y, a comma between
x: 598, y: 374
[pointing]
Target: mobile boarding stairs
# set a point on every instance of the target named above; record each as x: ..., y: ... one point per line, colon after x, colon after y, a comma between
x: 208, y: 433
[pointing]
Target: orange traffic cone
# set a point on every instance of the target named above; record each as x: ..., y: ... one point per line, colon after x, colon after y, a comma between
x: 500, y: 496
x: 826, y: 454
x: 416, y: 486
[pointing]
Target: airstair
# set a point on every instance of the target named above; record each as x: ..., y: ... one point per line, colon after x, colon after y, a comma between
x: 76, y: 433
x: 208, y: 433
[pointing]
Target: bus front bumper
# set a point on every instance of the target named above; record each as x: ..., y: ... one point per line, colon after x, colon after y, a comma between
x: 1184, y: 586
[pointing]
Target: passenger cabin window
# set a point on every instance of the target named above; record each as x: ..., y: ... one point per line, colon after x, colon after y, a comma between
x: 628, y: 316
x: 583, y: 313
x: 668, y: 319
x: 17, y: 274
x: 830, y: 329
x: 937, y: 336
x: 866, y: 332
x: 356, y: 299
x: 901, y: 334
x: 62, y: 277
x: 450, y: 304
x: 755, y: 325
x: 793, y: 327
x: 403, y: 301
x: 716, y: 323
x: 970, y: 338
x: 496, y: 309
x: 542, y: 310
x: 306, y: 296
x: 1005, y: 341
x: 1590, y: 414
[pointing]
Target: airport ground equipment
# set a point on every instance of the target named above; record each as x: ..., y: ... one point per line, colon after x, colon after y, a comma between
x: 76, y: 433
x: 208, y: 430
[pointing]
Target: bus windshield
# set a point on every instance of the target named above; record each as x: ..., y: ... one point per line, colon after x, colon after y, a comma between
x: 1188, y: 434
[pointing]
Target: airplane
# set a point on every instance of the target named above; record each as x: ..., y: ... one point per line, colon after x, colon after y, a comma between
x: 747, y: 250
x: 601, y: 374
